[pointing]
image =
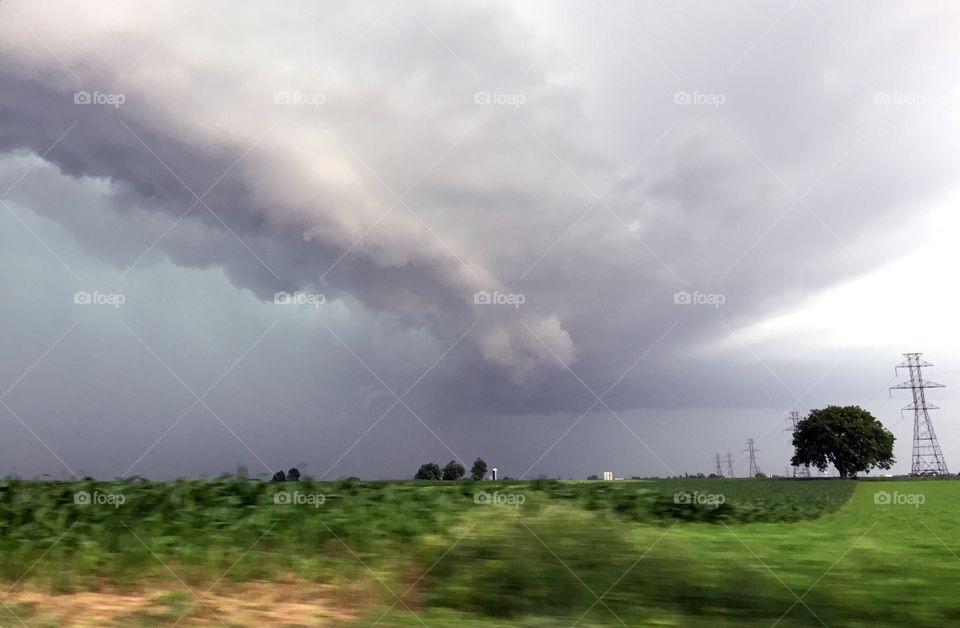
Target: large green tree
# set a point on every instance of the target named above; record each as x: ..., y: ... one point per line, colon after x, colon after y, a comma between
x: 848, y: 437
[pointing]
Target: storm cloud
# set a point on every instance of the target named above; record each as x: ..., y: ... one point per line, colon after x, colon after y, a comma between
x: 526, y: 216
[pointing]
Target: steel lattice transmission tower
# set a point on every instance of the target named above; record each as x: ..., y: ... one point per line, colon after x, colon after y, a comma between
x: 927, y: 457
x: 792, y: 420
x: 730, y: 465
x: 752, y: 450
x: 719, y: 471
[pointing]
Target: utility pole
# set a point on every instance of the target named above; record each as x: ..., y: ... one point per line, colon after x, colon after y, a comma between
x: 719, y: 471
x: 752, y: 450
x: 927, y: 457
x: 730, y: 465
x: 792, y: 421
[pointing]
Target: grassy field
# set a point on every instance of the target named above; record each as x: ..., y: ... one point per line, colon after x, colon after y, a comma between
x: 695, y: 552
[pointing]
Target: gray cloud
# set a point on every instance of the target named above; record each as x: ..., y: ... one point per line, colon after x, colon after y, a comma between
x: 597, y: 199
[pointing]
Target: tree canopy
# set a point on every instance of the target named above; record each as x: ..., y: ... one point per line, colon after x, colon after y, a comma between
x: 849, y: 438
x: 453, y: 471
x: 479, y: 469
x: 428, y: 471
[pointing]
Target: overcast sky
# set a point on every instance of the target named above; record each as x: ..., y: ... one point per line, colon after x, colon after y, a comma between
x: 567, y: 237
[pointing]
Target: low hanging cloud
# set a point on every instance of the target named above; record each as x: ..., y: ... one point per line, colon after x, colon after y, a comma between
x: 411, y: 158
x: 268, y: 152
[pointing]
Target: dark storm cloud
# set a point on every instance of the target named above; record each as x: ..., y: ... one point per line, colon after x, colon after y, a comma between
x: 621, y: 159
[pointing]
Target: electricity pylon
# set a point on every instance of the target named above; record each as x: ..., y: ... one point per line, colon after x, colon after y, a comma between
x: 752, y: 450
x: 729, y: 465
x: 927, y: 457
x: 719, y: 471
x: 792, y: 420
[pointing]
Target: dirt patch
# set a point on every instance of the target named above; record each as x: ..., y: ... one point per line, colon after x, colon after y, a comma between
x: 284, y: 603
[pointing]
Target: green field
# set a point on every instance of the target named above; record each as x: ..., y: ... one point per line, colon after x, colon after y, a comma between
x: 695, y: 552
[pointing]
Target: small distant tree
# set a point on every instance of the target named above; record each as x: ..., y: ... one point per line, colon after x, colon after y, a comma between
x: 428, y: 471
x: 279, y: 476
x: 593, y: 477
x: 479, y: 469
x: 293, y: 475
x: 453, y: 471
x: 849, y: 438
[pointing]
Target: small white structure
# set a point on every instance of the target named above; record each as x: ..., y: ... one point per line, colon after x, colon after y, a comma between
x: 493, y: 473
x: 608, y: 475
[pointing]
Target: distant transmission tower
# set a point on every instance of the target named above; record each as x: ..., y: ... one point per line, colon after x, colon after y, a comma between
x: 719, y: 471
x: 792, y: 420
x: 729, y: 465
x: 752, y: 450
x: 927, y: 457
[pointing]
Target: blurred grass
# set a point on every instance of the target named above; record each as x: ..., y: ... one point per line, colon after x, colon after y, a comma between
x: 866, y: 564
x: 545, y: 561
x: 744, y: 500
x: 212, y: 524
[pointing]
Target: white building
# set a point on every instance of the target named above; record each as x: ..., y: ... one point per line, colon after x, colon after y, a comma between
x: 608, y: 475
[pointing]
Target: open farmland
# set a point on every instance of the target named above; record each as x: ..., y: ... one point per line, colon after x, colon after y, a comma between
x: 545, y: 552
